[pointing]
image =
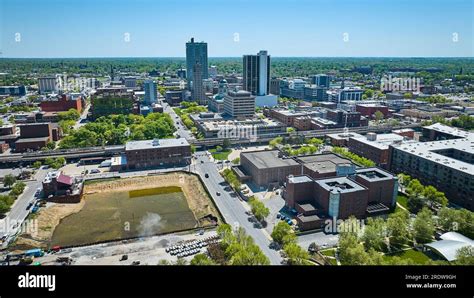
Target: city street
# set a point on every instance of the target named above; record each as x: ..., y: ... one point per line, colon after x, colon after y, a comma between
x: 232, y: 209
x: 12, y: 222
x: 180, y: 128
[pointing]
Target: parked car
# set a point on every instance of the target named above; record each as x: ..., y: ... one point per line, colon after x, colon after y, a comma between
x: 123, y: 258
x: 206, y: 175
x: 94, y: 171
x: 218, y: 193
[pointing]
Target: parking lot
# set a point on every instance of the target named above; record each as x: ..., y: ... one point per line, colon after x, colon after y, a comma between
x: 142, y: 251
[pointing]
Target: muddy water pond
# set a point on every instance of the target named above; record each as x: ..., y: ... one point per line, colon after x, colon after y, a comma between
x: 119, y: 215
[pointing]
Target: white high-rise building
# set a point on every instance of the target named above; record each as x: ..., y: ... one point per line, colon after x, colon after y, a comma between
x: 50, y: 84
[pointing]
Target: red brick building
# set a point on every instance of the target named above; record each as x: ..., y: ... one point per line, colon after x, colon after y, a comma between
x: 369, y: 110
x: 62, y: 103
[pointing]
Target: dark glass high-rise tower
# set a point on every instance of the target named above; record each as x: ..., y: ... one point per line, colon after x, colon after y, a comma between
x: 196, y: 53
x: 257, y: 73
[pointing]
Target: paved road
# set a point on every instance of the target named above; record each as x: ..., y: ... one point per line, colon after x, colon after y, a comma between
x: 11, y: 223
x: 83, y: 117
x: 182, y: 131
x: 233, y: 210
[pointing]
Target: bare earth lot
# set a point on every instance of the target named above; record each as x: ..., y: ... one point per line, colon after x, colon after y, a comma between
x: 49, y: 217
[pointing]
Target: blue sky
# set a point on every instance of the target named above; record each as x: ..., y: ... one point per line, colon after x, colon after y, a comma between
x: 160, y: 28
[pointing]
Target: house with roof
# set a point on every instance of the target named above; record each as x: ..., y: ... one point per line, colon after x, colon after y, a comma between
x: 61, y: 188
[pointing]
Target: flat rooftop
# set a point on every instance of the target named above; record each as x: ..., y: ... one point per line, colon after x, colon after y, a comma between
x: 268, y: 159
x: 323, y: 163
x: 340, y: 184
x: 374, y: 174
x: 431, y: 151
x: 157, y: 143
x: 299, y: 179
x: 341, y: 136
x: 382, y: 141
x: 450, y: 130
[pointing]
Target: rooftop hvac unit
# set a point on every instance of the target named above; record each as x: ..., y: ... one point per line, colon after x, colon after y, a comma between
x: 371, y: 136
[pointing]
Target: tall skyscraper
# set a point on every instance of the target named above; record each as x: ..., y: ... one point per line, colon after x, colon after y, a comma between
x: 150, y: 92
x: 196, y: 53
x: 257, y: 73
x: 197, y: 91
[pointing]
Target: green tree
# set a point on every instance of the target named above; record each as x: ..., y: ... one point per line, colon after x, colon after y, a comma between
x: 9, y: 180
x: 432, y: 195
x: 71, y: 114
x: 415, y: 200
x: 423, y: 226
x: 283, y: 234
x: 17, y: 189
x: 226, y: 144
x: 258, y: 208
x: 351, y: 252
x: 236, y: 161
x: 163, y: 262
x: 459, y: 220
x: 181, y: 262
x: 404, y: 180
x: 398, y: 228
x: 202, y: 259
x: 290, y: 129
x: 36, y: 164
x: 374, y: 234
x: 378, y: 116
x: 465, y: 256
x: 295, y: 254
x: 273, y: 143
x: 4, y: 207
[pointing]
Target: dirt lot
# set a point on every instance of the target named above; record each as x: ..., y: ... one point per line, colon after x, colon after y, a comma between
x: 49, y: 217
x: 196, y: 195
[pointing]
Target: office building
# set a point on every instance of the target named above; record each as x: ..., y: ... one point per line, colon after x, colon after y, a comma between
x: 156, y: 153
x: 130, y: 82
x: 151, y: 92
x: 113, y: 100
x: 239, y: 104
x: 213, y: 71
x: 256, y: 77
x: 198, y: 93
x: 49, y: 84
x: 196, y: 54
x: 320, y: 80
x: 181, y: 73
x: 13, y: 90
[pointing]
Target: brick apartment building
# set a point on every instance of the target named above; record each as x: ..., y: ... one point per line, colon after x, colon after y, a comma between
x: 369, y: 110
x: 62, y: 103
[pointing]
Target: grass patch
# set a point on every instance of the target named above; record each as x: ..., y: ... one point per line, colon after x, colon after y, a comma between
x: 220, y: 155
x: 332, y: 261
x: 402, y: 200
x: 416, y: 256
x: 328, y: 252
x: 154, y: 191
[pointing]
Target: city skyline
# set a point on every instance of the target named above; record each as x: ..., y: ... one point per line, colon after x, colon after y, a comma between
x: 91, y: 29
